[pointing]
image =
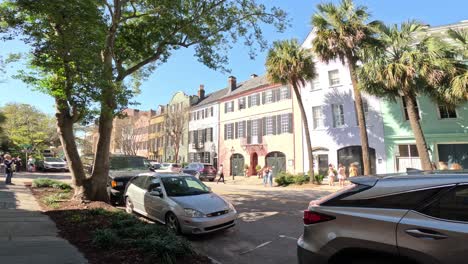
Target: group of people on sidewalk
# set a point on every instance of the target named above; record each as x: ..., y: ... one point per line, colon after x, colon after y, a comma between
x: 266, y: 173
x: 340, y: 173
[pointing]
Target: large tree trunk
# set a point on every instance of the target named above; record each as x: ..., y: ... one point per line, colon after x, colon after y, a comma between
x: 413, y: 115
x: 67, y: 138
x: 361, y: 120
x: 307, y: 133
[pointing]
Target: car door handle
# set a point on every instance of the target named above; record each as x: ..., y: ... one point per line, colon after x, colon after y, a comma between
x: 424, y: 233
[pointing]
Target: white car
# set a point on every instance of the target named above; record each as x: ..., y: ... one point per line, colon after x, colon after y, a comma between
x: 180, y: 201
x: 50, y: 164
x: 169, y: 167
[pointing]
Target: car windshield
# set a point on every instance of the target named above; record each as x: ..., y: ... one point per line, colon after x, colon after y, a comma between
x: 53, y: 160
x: 127, y: 163
x: 209, y: 167
x: 184, y: 186
x: 165, y: 165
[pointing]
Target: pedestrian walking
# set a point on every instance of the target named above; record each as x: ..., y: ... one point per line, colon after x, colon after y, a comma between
x: 220, y: 173
x: 9, y: 167
x: 18, y: 164
x: 31, y: 162
x: 270, y: 176
x: 353, y: 170
x: 341, y: 174
x: 265, y: 175
x: 331, y: 175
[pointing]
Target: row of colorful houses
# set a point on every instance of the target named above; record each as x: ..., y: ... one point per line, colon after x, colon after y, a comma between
x: 255, y: 122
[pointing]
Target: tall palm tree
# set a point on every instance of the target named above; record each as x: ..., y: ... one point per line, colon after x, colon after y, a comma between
x: 341, y: 33
x: 460, y: 82
x: 288, y: 63
x: 411, y: 64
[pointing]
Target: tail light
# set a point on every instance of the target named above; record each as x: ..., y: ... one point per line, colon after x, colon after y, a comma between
x: 113, y: 184
x: 311, y: 217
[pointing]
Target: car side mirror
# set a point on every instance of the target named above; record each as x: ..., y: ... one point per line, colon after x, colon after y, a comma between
x: 156, y: 192
x: 152, y: 169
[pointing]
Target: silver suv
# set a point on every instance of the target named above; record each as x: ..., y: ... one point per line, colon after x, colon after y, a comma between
x: 412, y: 218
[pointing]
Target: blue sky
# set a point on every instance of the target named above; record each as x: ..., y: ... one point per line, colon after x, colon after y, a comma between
x: 183, y: 73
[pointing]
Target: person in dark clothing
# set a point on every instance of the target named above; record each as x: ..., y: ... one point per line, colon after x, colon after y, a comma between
x: 8, y: 162
x: 18, y: 164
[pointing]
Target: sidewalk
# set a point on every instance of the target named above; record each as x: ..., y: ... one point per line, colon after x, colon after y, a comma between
x: 27, y: 235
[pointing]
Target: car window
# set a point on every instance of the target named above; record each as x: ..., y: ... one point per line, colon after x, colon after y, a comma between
x: 453, y: 205
x: 175, y: 165
x: 193, y: 166
x: 208, y: 167
x: 139, y: 181
x: 53, y: 160
x: 165, y: 165
x: 150, y: 180
x: 184, y: 186
x: 127, y: 163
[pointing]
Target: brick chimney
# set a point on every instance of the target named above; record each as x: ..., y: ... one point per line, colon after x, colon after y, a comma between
x: 201, y: 92
x: 232, y: 84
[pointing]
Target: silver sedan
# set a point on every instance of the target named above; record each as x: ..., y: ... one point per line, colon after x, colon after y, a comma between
x: 180, y: 201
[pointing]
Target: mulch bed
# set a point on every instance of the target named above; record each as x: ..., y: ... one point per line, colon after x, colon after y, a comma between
x: 80, y: 232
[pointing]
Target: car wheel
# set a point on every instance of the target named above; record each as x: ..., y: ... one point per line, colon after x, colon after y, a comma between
x: 212, y: 179
x: 112, y: 200
x: 128, y: 205
x: 172, y: 222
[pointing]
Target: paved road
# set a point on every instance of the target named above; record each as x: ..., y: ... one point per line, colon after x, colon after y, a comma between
x: 270, y: 221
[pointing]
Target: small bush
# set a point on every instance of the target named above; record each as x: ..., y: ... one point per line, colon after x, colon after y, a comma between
x: 45, y: 182
x: 301, y: 179
x: 105, y: 238
x: 318, y: 178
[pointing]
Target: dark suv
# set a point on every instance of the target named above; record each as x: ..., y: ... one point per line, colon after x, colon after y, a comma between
x: 203, y: 171
x: 122, y: 169
x: 410, y: 218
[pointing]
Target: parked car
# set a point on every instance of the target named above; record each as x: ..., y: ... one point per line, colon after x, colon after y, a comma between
x: 122, y: 169
x: 180, y: 201
x: 154, y: 164
x: 202, y: 171
x: 52, y: 164
x: 169, y: 167
x: 409, y: 218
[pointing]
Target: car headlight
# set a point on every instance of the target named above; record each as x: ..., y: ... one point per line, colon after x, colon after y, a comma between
x: 193, y: 213
x: 231, y: 208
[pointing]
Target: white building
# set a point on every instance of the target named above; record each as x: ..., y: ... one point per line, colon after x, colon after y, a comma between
x: 204, y: 127
x: 334, y: 130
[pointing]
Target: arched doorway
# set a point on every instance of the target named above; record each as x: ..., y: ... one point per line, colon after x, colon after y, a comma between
x: 237, y: 164
x: 353, y: 154
x: 277, y: 161
x: 253, y: 163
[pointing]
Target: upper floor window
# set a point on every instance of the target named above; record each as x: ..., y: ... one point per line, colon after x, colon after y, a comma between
x: 254, y: 99
x: 447, y: 112
x: 202, y: 114
x: 241, y: 129
x: 269, y: 96
x: 211, y: 111
x: 242, y: 103
x: 269, y: 125
x: 334, y: 77
x: 206, y: 112
x: 338, y: 115
x: 228, y: 133
x: 318, y: 118
x: 285, y: 93
x: 229, y: 107
x: 315, y: 84
x: 198, y: 115
x: 405, y: 108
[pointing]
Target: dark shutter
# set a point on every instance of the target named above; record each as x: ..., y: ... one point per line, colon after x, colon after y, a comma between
x: 274, y: 96
x: 288, y: 94
x: 274, y: 125
x: 225, y: 107
x: 225, y: 131
x: 263, y: 97
x: 260, y: 130
x: 290, y: 123
x: 204, y: 135
x: 211, y: 110
x: 249, y: 131
x: 249, y: 100
x: 236, y: 133
x: 264, y: 125
x: 278, y: 124
x: 211, y: 134
x: 278, y: 94
x: 190, y: 137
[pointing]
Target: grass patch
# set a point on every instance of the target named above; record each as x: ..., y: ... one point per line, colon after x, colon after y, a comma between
x: 54, y: 200
x: 49, y: 183
x: 126, y: 231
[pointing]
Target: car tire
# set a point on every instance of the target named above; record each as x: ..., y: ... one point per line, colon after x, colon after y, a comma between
x: 112, y: 200
x: 128, y: 205
x: 212, y: 179
x: 172, y: 222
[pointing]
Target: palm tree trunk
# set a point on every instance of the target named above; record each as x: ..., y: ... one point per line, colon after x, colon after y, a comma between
x: 421, y: 145
x: 306, y: 128
x: 361, y: 120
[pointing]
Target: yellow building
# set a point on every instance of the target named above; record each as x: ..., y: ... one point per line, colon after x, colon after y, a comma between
x: 260, y: 124
x: 157, y: 149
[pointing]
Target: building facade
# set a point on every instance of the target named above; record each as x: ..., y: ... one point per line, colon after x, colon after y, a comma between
x: 445, y: 128
x: 334, y: 131
x: 157, y: 135
x: 258, y: 124
x: 204, y: 127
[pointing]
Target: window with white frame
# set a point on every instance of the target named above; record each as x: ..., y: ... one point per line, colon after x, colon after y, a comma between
x: 269, y: 96
x: 229, y: 106
x: 254, y: 128
x: 365, y: 107
x: 202, y: 114
x: 240, y: 129
x: 338, y: 115
x: 211, y: 111
x: 229, y: 131
x: 269, y: 125
x: 334, y: 77
x: 255, y: 99
x: 284, y: 92
x: 317, y: 117
x: 284, y: 123
x: 242, y: 103
x: 405, y: 108
x: 315, y: 84
x: 446, y: 112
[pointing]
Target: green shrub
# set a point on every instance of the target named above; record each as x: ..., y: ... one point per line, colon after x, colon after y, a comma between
x: 105, y: 238
x: 301, y: 179
x: 285, y: 179
x: 318, y: 178
x: 45, y: 182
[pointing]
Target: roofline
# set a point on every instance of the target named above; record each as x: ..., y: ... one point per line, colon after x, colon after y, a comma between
x: 250, y: 91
